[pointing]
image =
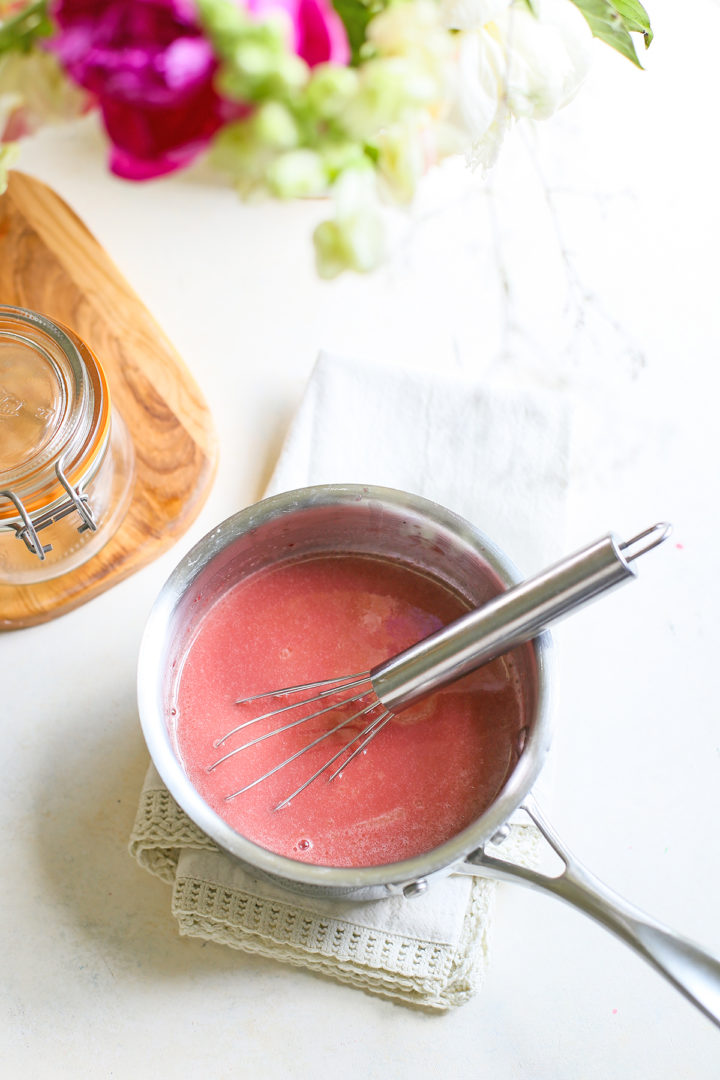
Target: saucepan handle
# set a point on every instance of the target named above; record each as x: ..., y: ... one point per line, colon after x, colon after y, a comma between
x: 694, y: 972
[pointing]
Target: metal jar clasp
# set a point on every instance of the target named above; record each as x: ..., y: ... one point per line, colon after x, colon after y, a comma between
x: 76, y: 502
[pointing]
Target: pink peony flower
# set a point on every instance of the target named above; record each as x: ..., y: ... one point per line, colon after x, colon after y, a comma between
x: 318, y: 31
x: 151, y: 70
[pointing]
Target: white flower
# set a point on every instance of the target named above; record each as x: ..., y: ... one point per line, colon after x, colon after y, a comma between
x: 548, y: 56
x: 477, y: 108
x: 481, y: 69
x: 471, y: 14
x: 519, y: 64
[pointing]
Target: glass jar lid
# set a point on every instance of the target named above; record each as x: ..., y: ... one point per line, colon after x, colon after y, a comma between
x: 54, y: 414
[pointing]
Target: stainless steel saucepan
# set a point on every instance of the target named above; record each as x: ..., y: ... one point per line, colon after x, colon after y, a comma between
x: 385, y: 522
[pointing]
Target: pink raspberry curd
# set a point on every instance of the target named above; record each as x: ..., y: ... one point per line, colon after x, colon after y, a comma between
x: 430, y: 772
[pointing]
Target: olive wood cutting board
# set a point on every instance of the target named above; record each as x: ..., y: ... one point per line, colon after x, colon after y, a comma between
x: 51, y: 263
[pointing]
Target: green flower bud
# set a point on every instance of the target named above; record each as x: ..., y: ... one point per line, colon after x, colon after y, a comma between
x: 330, y: 88
x: 254, y: 59
x: 224, y: 22
x: 351, y: 243
x: 388, y: 88
x: 237, y: 152
x: 234, y: 84
x: 291, y: 71
x: 399, y: 162
x: 260, y: 68
x: 339, y: 157
x: 297, y: 173
x: 275, y: 126
x: 331, y: 257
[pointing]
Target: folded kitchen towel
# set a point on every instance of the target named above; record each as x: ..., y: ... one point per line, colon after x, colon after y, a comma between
x: 497, y: 456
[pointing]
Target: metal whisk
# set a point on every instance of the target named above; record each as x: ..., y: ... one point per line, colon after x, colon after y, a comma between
x: 509, y: 619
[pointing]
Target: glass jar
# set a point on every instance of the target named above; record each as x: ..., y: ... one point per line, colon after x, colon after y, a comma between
x: 66, y: 459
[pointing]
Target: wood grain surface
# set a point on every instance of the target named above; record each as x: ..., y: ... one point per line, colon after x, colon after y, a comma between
x: 51, y: 263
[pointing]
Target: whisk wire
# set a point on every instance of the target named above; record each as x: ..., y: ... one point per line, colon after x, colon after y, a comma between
x: 350, y: 684
x: 288, y: 727
x: 370, y: 733
x: 344, y: 682
x: 302, y: 750
x: 370, y: 730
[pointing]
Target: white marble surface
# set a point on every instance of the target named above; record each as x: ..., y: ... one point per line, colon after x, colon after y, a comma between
x: 587, y: 261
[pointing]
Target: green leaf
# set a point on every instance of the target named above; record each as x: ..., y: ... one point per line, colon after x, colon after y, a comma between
x: 635, y: 17
x: 20, y: 31
x: 613, y: 21
x: 356, y: 14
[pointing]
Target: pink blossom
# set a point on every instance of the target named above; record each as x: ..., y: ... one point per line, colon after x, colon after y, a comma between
x: 318, y: 31
x: 152, y: 71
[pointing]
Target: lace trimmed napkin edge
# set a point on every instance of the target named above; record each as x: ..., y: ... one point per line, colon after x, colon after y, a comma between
x: 432, y: 975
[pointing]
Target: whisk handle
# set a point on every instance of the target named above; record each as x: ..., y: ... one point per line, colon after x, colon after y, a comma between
x: 509, y: 619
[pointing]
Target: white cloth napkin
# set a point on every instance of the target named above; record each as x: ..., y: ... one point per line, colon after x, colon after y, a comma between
x: 500, y: 458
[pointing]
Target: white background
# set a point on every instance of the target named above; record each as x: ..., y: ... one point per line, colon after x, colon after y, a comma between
x: 587, y: 261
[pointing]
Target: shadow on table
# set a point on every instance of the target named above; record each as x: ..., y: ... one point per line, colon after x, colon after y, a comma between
x: 110, y: 908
